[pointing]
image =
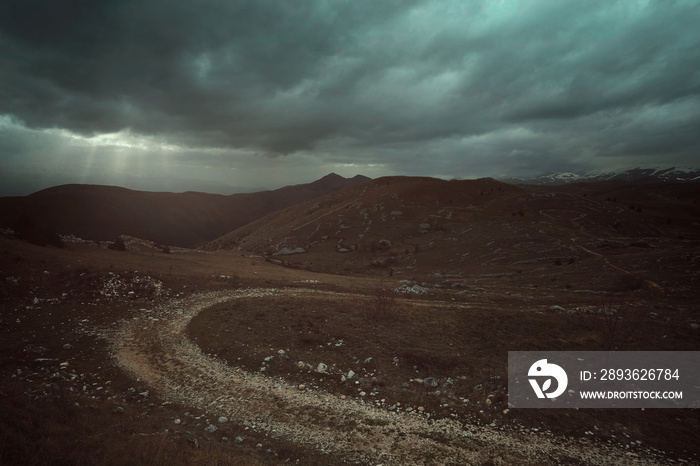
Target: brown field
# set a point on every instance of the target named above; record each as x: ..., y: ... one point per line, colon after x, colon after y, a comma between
x: 121, y: 392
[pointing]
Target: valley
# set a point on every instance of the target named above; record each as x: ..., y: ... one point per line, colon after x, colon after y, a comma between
x: 370, y: 325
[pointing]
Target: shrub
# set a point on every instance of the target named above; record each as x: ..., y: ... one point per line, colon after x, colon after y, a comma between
x: 615, y: 324
x: 118, y: 244
x: 383, y: 301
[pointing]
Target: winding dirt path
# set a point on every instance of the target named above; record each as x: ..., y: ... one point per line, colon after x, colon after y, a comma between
x: 651, y: 285
x: 154, y: 348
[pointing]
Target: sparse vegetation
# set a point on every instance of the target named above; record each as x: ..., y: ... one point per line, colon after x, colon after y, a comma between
x: 383, y: 302
x: 616, y: 324
x: 118, y: 244
x: 474, y: 291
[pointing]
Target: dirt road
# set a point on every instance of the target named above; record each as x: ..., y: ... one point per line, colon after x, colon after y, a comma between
x: 153, y: 347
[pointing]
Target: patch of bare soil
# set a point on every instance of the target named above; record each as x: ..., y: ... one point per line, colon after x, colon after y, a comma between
x: 361, y: 427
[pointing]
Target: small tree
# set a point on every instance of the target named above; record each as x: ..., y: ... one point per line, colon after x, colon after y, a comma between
x: 615, y: 324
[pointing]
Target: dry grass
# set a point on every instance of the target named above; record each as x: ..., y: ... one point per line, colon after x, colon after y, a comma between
x: 383, y: 302
x: 616, y: 324
x: 53, y: 430
x: 464, y: 349
x: 464, y: 341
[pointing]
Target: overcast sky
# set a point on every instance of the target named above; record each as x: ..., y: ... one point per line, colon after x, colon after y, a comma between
x: 212, y: 95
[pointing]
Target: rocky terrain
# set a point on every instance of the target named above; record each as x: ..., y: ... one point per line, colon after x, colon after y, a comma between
x: 384, y: 343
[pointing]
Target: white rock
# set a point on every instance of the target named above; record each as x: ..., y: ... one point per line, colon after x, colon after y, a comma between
x: 289, y: 251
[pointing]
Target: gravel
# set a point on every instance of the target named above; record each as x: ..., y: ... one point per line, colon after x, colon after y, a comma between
x: 160, y: 355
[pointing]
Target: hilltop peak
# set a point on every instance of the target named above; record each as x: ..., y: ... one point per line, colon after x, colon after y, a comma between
x: 332, y: 176
x: 334, y: 181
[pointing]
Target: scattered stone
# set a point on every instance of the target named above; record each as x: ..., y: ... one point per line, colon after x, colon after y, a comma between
x: 302, y: 387
x: 506, y: 411
x: 488, y: 401
x: 177, y: 421
x: 350, y: 374
x: 478, y: 388
x: 321, y: 368
x: 239, y: 439
x: 117, y: 409
x: 223, y: 419
x: 556, y: 308
x: 289, y: 251
x: 67, y: 346
x: 367, y: 361
x: 195, y: 442
x: 416, y: 289
x: 211, y: 428
x: 695, y: 326
x: 430, y: 382
x: 301, y: 365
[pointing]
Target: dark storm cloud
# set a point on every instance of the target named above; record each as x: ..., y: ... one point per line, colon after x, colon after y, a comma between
x: 506, y: 83
x: 184, y: 68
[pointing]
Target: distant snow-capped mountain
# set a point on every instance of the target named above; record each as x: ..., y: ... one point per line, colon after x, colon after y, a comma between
x: 634, y: 175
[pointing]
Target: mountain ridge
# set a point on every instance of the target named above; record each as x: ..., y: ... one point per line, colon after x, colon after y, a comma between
x: 403, y: 225
x: 629, y: 175
x: 188, y: 219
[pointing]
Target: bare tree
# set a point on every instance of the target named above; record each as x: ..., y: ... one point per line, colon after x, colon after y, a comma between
x: 616, y: 324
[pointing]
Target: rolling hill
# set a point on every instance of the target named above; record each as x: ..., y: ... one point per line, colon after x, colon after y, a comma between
x: 177, y: 219
x: 417, y: 228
